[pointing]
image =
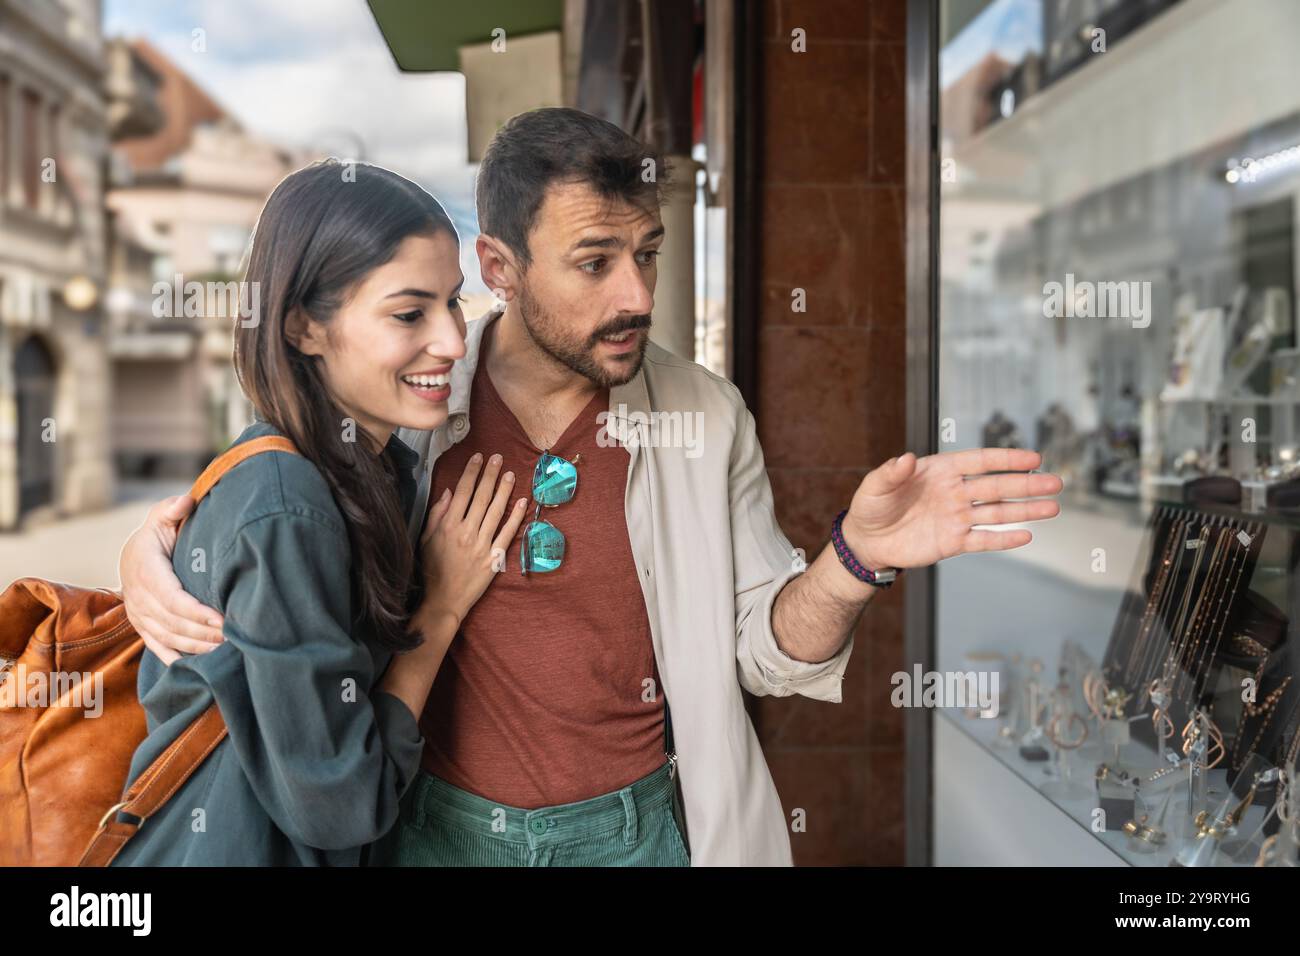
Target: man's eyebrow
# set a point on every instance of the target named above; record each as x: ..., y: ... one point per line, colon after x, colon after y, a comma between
x: 612, y: 242
x: 597, y: 242
x: 423, y: 293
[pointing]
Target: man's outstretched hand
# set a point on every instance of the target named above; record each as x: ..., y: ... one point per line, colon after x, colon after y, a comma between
x: 912, y: 512
x: 170, y: 620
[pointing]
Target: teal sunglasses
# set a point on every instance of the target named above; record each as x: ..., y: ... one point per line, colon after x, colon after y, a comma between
x: 555, y: 480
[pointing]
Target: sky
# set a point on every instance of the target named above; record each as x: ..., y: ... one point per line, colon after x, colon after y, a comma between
x: 1010, y: 28
x: 317, y: 74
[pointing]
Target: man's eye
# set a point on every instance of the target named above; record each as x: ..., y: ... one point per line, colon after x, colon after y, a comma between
x: 593, y: 267
x: 650, y: 255
x: 409, y: 316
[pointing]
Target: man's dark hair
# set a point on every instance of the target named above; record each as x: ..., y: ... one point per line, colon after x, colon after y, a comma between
x: 559, y: 145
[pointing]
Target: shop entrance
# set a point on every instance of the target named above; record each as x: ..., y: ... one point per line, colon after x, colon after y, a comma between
x: 34, y: 378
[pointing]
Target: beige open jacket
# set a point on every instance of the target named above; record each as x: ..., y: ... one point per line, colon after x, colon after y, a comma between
x: 712, y: 560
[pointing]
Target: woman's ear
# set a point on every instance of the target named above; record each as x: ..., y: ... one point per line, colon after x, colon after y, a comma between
x: 306, y: 336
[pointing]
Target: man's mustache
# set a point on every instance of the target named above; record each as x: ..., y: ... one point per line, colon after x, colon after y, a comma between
x: 621, y: 326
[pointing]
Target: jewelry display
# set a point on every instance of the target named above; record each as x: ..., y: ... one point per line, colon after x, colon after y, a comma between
x: 1239, y: 544
x: 1190, y: 625
x: 1067, y: 730
x: 1184, y: 623
x: 1147, y: 835
x: 1283, y: 847
x: 1200, y: 725
x: 1163, y: 778
x: 1108, y: 705
x: 1055, y: 736
x: 1145, y: 832
x: 1197, y: 368
x: 1198, y: 744
x: 1210, y: 830
x: 1117, y: 791
x: 1169, y: 565
x: 1163, y: 686
x: 1161, y: 722
x: 1159, y: 614
x: 1010, y: 728
x: 1146, y: 721
x: 1265, y: 708
x: 1030, y: 748
x: 988, y: 661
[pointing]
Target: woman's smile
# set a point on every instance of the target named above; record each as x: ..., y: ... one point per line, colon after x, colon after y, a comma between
x: 433, y: 385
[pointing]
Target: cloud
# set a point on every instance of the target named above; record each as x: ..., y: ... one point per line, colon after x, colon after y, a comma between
x: 304, y: 74
x: 318, y: 75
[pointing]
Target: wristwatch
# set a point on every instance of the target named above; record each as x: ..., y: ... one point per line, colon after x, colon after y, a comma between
x: 880, y: 577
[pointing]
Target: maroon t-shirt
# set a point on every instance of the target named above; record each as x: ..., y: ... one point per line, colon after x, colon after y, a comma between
x: 542, y: 698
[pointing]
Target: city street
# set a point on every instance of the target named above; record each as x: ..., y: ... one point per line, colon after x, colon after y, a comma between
x: 81, y: 549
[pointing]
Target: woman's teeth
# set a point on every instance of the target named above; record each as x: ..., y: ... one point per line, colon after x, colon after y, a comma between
x: 427, y: 381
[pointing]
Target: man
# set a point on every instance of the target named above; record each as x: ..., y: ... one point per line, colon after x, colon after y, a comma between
x: 670, y: 571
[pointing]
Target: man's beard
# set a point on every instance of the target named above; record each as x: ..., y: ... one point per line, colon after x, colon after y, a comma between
x: 577, y: 354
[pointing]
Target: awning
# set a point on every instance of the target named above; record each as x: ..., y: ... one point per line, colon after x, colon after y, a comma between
x: 426, y: 35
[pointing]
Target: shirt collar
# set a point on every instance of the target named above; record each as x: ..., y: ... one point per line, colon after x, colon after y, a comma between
x: 624, y: 399
x: 406, y: 457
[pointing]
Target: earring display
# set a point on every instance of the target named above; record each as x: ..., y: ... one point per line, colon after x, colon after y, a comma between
x: 1173, y: 746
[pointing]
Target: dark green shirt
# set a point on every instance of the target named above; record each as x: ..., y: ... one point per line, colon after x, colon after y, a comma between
x: 316, y: 760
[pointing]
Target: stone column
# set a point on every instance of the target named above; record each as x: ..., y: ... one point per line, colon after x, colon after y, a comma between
x: 674, y: 314
x: 8, y: 430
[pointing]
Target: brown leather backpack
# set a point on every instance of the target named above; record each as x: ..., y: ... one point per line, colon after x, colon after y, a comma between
x: 62, y: 770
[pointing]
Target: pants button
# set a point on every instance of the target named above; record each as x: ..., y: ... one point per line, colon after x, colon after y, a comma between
x: 537, y: 825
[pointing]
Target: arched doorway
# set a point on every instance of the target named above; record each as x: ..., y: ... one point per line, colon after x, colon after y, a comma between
x: 34, y: 377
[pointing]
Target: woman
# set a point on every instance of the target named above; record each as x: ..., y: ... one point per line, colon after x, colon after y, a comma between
x: 357, y: 276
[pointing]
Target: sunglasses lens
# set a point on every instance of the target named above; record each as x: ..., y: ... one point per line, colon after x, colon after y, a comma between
x: 543, y: 547
x: 554, y: 481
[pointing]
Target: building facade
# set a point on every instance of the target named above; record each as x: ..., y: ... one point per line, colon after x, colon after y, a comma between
x: 54, y: 375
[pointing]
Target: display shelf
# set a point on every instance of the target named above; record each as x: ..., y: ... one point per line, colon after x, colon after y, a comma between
x: 1080, y: 810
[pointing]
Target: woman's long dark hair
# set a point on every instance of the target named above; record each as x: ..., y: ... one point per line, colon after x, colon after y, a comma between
x: 324, y: 229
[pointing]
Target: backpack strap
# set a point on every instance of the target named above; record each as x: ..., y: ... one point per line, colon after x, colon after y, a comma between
x: 162, y: 778
x: 234, y: 456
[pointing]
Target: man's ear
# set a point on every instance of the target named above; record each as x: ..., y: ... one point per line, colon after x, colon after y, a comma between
x: 306, y: 336
x: 497, y: 266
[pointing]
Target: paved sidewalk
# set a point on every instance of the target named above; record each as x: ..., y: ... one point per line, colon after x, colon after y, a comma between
x: 83, y: 549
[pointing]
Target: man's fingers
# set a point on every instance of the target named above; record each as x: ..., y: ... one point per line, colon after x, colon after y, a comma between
x: 1014, y: 512
x: 1002, y: 487
x: 180, y: 642
x: 182, y: 604
x: 183, y: 615
x: 883, y: 480
x: 163, y: 653
x: 179, y: 507
x: 977, y: 541
x: 979, y: 461
x: 901, y: 468
x: 171, y: 511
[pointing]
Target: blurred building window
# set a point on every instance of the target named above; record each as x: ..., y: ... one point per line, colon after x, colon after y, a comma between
x: 227, y: 244
x: 31, y: 146
x: 162, y: 269
x: 5, y: 139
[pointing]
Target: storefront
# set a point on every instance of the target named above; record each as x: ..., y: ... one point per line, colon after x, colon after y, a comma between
x: 1102, y: 267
